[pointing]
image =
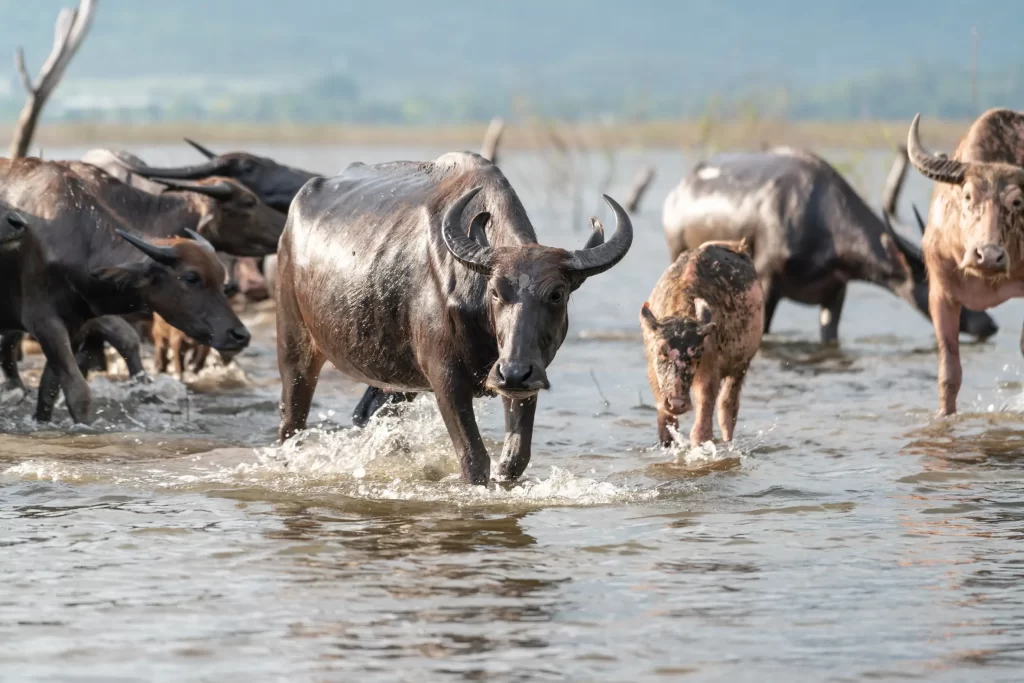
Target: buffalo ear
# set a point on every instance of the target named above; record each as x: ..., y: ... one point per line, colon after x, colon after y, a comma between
x: 704, y: 317
x: 128, y: 276
x: 647, y: 317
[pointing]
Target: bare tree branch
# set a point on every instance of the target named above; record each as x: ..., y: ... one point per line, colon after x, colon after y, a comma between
x: 69, y: 31
x: 19, y: 63
x: 489, y: 149
x: 636, y: 191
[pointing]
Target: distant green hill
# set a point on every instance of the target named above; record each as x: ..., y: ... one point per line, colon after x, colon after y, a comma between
x: 466, y: 59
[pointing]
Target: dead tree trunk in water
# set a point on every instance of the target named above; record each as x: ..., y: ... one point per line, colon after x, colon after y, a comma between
x: 72, y: 25
x: 636, y: 191
x: 489, y: 149
x: 894, y: 183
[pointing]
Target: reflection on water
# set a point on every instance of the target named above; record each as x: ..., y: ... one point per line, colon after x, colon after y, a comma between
x: 847, y: 534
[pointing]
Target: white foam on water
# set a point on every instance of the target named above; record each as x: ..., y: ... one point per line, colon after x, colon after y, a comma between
x: 406, y: 456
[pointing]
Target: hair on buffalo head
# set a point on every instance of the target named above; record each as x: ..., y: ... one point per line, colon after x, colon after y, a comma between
x: 528, y: 287
x: 675, y: 345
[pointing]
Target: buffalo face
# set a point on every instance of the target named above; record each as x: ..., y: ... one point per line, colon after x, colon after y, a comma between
x: 528, y: 291
x: 184, y: 283
x: 676, y: 345
x: 990, y: 210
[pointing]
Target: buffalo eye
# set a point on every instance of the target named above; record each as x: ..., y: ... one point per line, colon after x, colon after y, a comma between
x: 557, y: 296
x: 230, y: 289
x: 1017, y: 203
x: 192, y: 278
x: 967, y: 197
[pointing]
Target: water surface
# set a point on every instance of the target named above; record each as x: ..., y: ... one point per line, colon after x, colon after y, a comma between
x: 846, y: 535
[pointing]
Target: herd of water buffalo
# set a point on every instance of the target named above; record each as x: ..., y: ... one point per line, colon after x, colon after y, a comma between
x: 428, y: 276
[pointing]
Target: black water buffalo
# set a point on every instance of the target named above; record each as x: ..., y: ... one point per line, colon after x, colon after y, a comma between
x: 378, y: 275
x: 72, y: 267
x: 812, y: 233
x: 275, y: 184
x: 231, y: 217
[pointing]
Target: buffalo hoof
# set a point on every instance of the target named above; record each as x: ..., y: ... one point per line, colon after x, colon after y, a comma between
x: 141, y: 378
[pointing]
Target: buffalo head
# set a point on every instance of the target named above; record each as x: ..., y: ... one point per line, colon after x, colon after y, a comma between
x: 275, y: 184
x: 183, y: 281
x: 528, y: 289
x: 990, y: 210
x: 12, y: 228
x: 679, y: 343
x: 238, y: 222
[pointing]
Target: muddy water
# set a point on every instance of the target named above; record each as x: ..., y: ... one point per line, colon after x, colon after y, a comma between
x: 846, y: 535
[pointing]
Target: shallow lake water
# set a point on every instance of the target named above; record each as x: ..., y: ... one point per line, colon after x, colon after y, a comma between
x: 846, y: 535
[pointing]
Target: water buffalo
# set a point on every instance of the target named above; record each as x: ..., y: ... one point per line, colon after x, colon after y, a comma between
x: 225, y: 212
x: 275, y: 184
x: 378, y: 275
x: 72, y: 267
x: 812, y: 233
x: 974, y: 243
x: 702, y: 326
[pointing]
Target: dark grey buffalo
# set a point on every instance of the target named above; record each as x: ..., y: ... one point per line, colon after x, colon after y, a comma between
x: 428, y: 277
x: 811, y: 232
x: 275, y: 184
x: 77, y: 261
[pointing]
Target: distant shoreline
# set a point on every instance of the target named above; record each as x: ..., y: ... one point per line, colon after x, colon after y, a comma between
x: 938, y: 135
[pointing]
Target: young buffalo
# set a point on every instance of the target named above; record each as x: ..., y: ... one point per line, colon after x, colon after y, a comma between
x: 701, y: 327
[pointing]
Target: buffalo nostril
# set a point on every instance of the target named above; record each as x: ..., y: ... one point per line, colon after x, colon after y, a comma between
x: 1001, y: 258
x: 979, y: 256
x: 514, y: 374
x: 239, y: 335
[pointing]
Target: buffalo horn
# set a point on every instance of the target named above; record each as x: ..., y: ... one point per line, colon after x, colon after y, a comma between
x: 200, y: 240
x: 917, y: 216
x: 219, y: 190
x: 161, y: 254
x: 192, y: 172
x: 202, y: 150
x: 938, y: 168
x: 588, y: 262
x: 468, y: 252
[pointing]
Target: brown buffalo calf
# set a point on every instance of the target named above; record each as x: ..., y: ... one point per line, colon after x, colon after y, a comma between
x: 701, y: 327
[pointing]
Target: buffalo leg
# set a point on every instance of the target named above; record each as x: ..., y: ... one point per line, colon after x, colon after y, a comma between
x: 831, y: 310
x: 455, y: 400
x: 299, y: 362
x: 515, y: 455
x: 122, y: 336
x: 199, y: 356
x: 374, y: 400
x: 729, y: 403
x: 946, y: 319
x: 55, y: 341
x: 665, y: 421
x: 10, y: 342
x: 771, y: 300
x: 705, y: 391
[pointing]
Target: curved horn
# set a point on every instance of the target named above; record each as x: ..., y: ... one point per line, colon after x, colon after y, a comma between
x: 917, y: 215
x: 192, y: 172
x: 589, y: 262
x: 478, y: 228
x: 596, y: 238
x: 161, y: 254
x: 200, y: 240
x: 199, y: 148
x: 220, y: 190
x: 466, y: 251
x: 939, y: 169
